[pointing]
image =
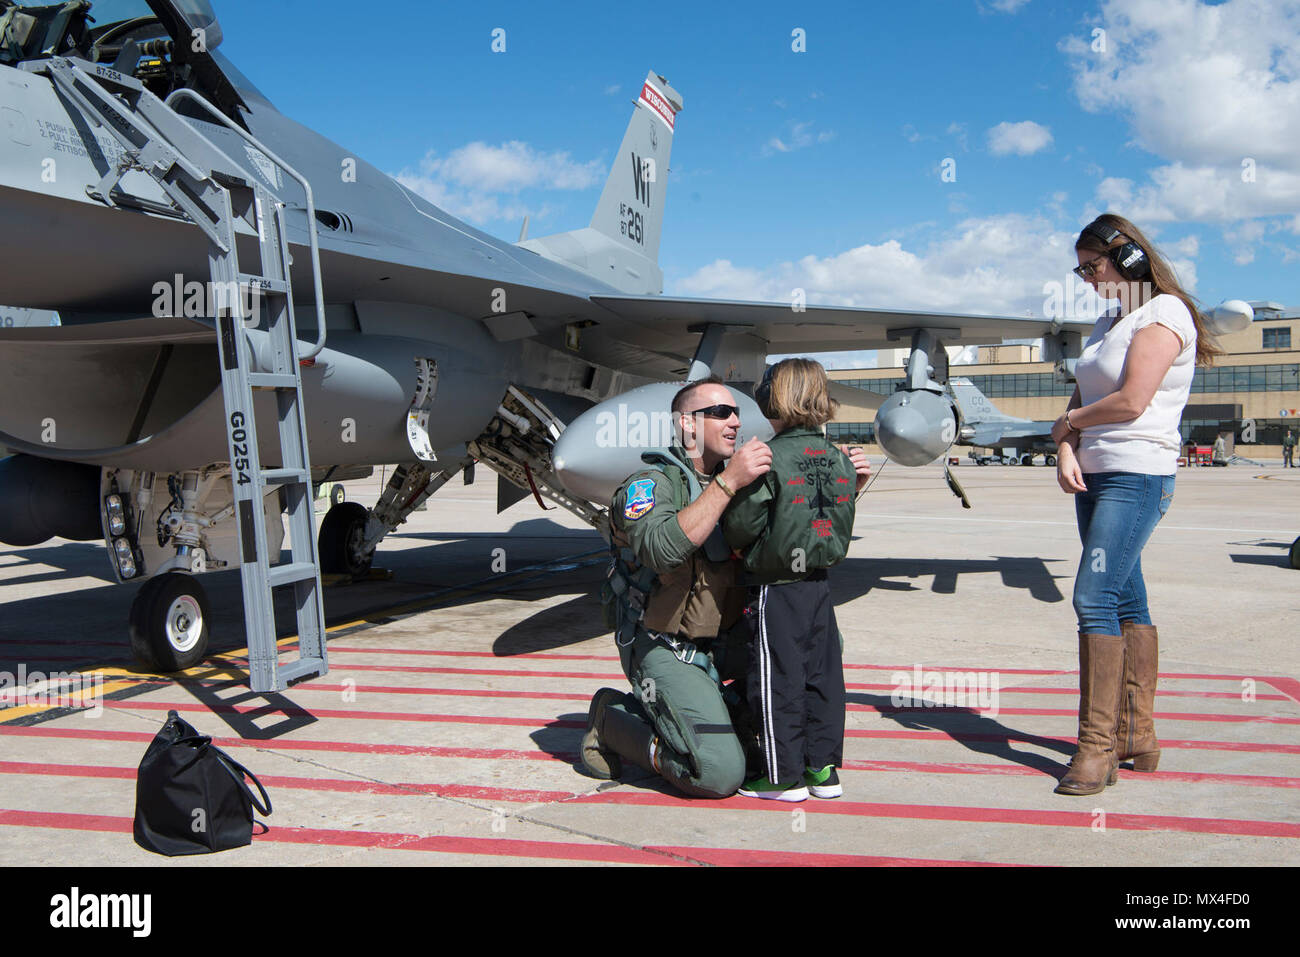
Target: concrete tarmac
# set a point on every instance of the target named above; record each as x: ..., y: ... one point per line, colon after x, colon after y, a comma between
x: 447, y: 728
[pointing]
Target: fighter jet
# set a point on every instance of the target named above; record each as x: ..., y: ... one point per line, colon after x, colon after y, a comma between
x: 984, y: 425
x: 175, y: 219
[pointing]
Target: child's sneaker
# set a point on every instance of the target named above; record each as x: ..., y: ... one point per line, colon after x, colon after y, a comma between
x: 765, y: 789
x: 824, y: 783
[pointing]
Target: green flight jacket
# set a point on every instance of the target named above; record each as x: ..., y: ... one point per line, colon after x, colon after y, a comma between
x: 798, y: 517
x: 695, y: 592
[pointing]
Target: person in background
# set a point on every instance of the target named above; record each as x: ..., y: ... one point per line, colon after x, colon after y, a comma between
x: 1118, y: 453
x: 1288, y: 449
x: 1219, y: 457
x: 790, y: 526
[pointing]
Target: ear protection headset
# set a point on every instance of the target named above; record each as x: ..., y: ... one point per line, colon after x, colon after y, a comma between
x: 1129, y: 259
x: 763, y: 393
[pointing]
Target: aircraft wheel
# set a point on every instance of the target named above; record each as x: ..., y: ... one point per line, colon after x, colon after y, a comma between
x: 169, y: 623
x: 1026, y: 460
x: 1050, y: 460
x: 982, y: 461
x: 340, y: 537
x: 1295, y: 554
x: 338, y: 495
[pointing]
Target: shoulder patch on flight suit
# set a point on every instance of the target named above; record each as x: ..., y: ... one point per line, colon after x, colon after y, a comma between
x: 640, y: 498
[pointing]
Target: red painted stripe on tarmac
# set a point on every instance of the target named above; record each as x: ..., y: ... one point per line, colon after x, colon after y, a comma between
x: 499, y: 847
x: 285, y: 744
x: 980, y: 815
x: 618, y: 676
x: 747, y: 858
x: 1293, y: 685
x: 517, y: 795
x: 360, y: 714
x: 1167, y: 693
x: 1049, y: 740
x: 1019, y: 770
x: 534, y: 796
x: 356, y: 714
x: 526, y: 656
x: 1288, y: 686
x: 581, y: 696
x: 504, y: 847
x: 929, y: 736
x: 1046, y: 712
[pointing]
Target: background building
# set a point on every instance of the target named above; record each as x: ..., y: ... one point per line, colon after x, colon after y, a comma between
x: 1252, y: 391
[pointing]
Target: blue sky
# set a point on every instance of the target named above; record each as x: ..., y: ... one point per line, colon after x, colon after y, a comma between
x: 822, y: 169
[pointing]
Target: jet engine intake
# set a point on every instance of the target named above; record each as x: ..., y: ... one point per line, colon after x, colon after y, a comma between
x: 44, y: 499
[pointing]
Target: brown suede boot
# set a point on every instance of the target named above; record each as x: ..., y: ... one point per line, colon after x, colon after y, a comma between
x: 1101, y: 682
x: 1135, y: 737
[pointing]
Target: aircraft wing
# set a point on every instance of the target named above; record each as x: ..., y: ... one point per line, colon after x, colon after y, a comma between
x: 664, y: 324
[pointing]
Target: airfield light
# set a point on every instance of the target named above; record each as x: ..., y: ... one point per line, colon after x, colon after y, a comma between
x: 125, y: 557
x: 116, y: 515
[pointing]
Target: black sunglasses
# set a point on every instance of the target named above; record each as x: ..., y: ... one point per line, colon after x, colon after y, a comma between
x: 718, y: 412
x: 1089, y: 269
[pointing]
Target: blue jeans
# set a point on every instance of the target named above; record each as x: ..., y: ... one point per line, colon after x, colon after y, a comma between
x: 1116, y: 516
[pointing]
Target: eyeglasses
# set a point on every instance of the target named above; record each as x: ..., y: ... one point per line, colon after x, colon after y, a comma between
x: 1089, y: 269
x: 718, y: 412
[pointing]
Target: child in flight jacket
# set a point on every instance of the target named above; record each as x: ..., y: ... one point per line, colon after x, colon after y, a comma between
x: 790, y: 526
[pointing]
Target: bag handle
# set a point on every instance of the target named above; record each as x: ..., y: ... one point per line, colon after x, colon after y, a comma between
x: 231, y: 765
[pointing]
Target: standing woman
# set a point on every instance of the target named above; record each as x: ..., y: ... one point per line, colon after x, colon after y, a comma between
x: 1118, y: 453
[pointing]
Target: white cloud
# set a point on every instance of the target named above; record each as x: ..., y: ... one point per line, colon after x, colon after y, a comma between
x: 1207, y: 88
x: 1243, y: 239
x: 468, y: 180
x: 801, y: 136
x: 1023, y: 139
x: 612, y: 89
x: 1007, y: 6
x: 998, y: 265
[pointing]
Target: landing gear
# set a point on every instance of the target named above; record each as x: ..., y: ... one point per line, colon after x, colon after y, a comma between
x: 1050, y: 461
x: 1027, y: 459
x: 169, y: 623
x: 341, y: 540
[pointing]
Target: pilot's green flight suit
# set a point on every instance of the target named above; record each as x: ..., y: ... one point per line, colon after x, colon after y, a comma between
x: 673, y: 606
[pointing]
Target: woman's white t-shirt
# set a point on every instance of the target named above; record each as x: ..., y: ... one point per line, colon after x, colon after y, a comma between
x: 1148, y: 444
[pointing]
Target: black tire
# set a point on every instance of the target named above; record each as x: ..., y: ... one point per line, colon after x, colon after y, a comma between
x: 340, y: 532
x: 1295, y: 554
x: 338, y: 495
x: 1050, y: 461
x: 1026, y: 459
x: 169, y: 623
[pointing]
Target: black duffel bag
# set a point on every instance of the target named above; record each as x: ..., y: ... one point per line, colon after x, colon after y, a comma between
x: 190, y: 796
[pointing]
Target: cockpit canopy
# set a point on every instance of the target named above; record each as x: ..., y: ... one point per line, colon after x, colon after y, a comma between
x: 166, y: 44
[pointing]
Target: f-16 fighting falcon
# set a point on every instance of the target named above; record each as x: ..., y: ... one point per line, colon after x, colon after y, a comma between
x: 249, y: 310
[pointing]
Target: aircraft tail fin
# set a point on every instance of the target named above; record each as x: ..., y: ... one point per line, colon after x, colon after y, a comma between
x: 972, y: 403
x: 621, y: 246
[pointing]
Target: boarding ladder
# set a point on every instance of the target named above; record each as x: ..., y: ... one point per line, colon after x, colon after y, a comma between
x: 212, y: 191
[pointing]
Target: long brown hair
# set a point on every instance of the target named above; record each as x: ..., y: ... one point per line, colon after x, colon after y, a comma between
x: 1162, y: 278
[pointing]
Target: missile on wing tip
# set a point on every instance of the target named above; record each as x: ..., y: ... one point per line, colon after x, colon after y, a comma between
x: 599, y: 449
x: 1228, y: 317
x: 915, y: 427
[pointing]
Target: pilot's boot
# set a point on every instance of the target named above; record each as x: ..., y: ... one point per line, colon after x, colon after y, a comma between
x: 1101, y: 682
x: 630, y: 738
x: 1135, y: 737
x: 597, y: 757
